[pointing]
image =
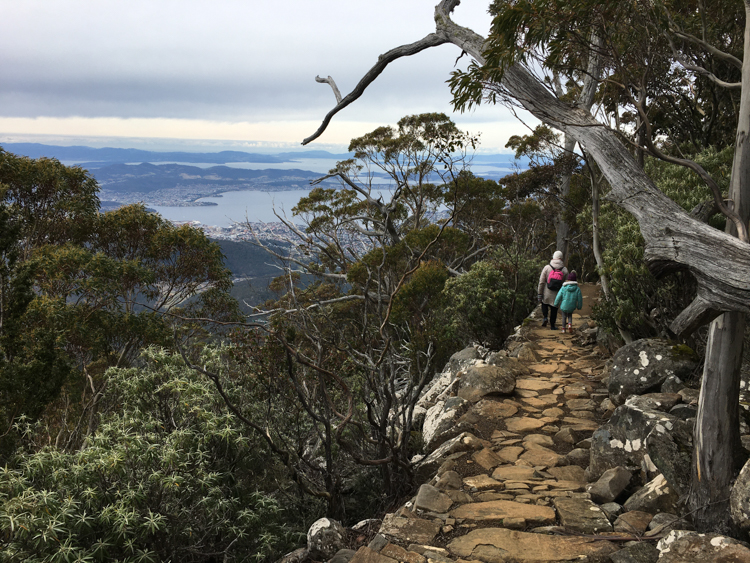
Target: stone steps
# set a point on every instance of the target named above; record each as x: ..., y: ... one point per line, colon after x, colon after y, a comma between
x: 503, y: 499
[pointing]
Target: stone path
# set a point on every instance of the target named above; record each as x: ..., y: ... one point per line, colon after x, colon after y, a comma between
x: 517, y: 491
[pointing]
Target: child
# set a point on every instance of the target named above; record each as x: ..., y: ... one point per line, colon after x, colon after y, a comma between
x: 569, y: 299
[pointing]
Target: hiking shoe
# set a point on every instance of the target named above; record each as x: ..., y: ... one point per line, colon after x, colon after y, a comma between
x: 544, y: 322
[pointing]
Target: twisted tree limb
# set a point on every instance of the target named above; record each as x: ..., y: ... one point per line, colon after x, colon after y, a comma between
x: 674, y: 240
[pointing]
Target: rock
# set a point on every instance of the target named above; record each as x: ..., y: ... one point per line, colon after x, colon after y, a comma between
x: 414, y: 530
x: 655, y: 496
x: 658, y: 401
x: 485, y: 379
x: 514, y: 523
x: 578, y: 456
x: 482, y: 482
x: 581, y: 515
x: 428, y: 466
x: 450, y: 480
x: 671, y: 451
x: 516, y: 473
x: 378, y: 542
x: 688, y: 547
x: 398, y: 553
x: 486, y: 459
x: 642, y: 366
x: 498, y: 544
x: 526, y: 353
x: 621, y: 441
x: 440, y: 422
x: 500, y: 509
x: 343, y: 556
x: 739, y: 499
x: 612, y: 510
x: 438, y: 389
x: 367, y: 555
x: 431, y: 499
x: 638, y: 552
x: 569, y: 436
x: 539, y: 439
x: 607, y: 342
x: 324, y: 538
x: 510, y: 454
x: 672, y: 384
x: 296, y: 556
x: 683, y: 411
x: 664, y: 522
x: 538, y: 455
x: 461, y: 359
x: 523, y: 424
x: 610, y: 485
x: 568, y: 473
x: 690, y: 396
x: 633, y: 522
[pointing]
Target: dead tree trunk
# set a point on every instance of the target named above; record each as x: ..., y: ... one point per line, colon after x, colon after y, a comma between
x: 716, y: 455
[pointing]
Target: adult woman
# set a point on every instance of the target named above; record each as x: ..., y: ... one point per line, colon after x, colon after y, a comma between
x: 549, y: 286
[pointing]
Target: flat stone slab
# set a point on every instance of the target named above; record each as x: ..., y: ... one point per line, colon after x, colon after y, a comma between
x: 515, y: 473
x: 481, y: 482
x: 498, y: 545
x: 499, y: 509
x: 544, y: 368
x: 410, y: 530
x: 568, y: 473
x: 494, y: 409
x: 523, y: 424
x: 510, y: 454
x: 367, y: 555
x: 535, y: 384
x: 539, y: 455
x: 581, y: 515
x: 487, y: 459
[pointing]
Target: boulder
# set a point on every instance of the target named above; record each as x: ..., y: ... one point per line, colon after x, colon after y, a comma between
x: 607, y: 342
x: 622, y: 440
x: 438, y: 389
x: 671, y: 451
x: 428, y: 466
x: 655, y: 496
x: 633, y: 522
x: 430, y: 499
x: 440, y: 422
x: 739, y: 499
x: 689, y: 547
x: 642, y: 366
x: 460, y: 360
x: 324, y: 538
x: 485, y: 379
x: 637, y: 552
x: 610, y: 485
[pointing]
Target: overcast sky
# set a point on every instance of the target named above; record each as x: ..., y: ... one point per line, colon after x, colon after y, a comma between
x: 235, y: 71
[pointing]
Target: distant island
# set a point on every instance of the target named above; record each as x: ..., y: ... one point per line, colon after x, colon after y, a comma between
x: 168, y: 179
x: 91, y: 158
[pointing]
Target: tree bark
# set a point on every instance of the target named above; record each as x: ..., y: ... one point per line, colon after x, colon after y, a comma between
x: 717, y: 446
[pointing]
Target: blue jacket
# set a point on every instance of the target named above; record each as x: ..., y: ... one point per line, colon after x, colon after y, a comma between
x: 569, y: 298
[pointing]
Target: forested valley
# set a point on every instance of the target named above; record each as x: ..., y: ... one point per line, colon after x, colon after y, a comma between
x: 144, y: 416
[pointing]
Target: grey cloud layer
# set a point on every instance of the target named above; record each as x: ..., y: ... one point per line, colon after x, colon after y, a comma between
x: 223, y: 60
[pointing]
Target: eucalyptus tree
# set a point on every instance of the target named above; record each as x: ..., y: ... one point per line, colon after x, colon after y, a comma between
x: 511, y: 65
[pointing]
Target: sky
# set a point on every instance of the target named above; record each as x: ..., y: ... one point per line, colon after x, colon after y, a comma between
x: 240, y: 74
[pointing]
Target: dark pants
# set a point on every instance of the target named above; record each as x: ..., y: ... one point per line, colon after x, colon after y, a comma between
x: 552, y: 313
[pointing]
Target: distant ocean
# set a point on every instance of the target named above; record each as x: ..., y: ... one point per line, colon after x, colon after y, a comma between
x: 259, y: 206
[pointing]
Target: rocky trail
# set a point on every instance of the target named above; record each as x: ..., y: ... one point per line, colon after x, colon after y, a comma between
x: 508, y: 477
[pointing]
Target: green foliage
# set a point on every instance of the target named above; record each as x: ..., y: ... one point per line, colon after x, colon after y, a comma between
x: 640, y: 303
x: 492, y: 297
x: 169, y: 476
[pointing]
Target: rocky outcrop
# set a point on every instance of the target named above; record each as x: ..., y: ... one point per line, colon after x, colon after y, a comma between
x: 642, y: 366
x: 527, y: 458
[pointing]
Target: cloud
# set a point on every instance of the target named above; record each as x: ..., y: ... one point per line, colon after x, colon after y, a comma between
x: 236, y: 64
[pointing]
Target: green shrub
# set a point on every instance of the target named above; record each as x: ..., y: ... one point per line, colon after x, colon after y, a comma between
x: 167, y: 477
